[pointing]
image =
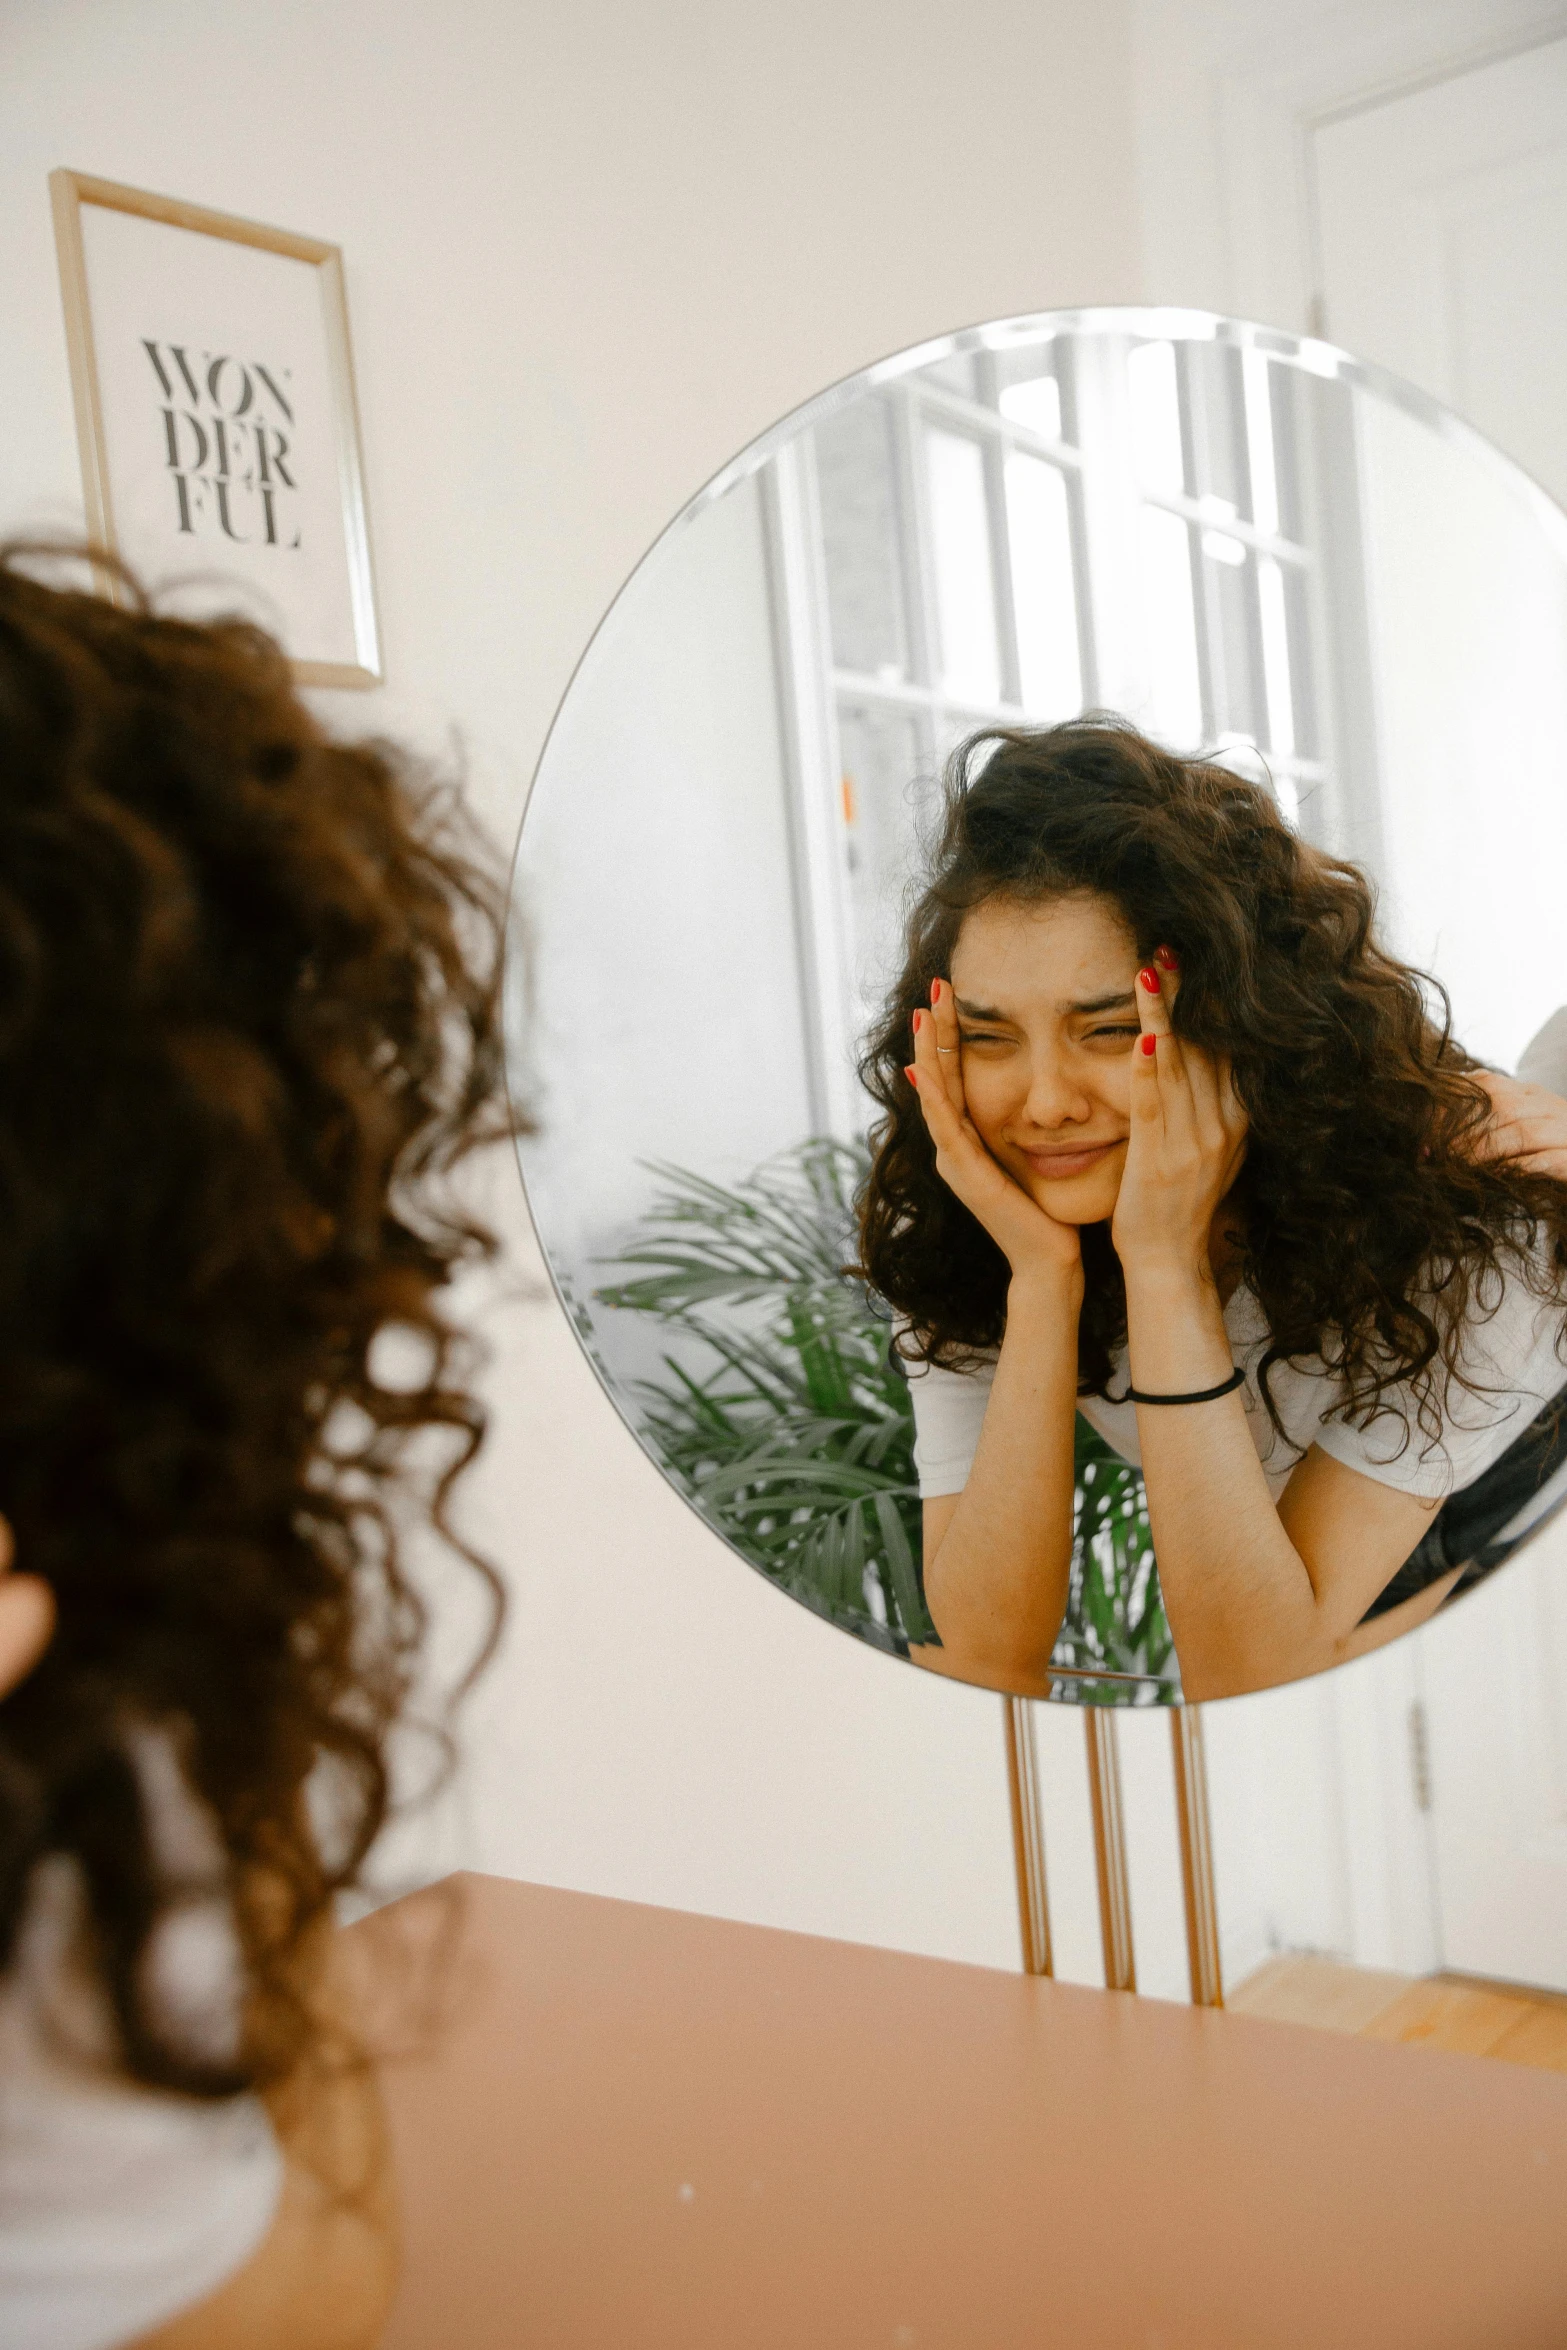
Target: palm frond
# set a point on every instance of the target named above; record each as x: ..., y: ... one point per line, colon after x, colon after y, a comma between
x: 796, y: 1440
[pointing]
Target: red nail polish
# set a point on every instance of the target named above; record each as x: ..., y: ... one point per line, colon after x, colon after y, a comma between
x: 1168, y: 957
x: 918, y: 1017
x: 913, y: 1077
x: 1150, y: 1045
x: 935, y: 991
x: 1149, y: 978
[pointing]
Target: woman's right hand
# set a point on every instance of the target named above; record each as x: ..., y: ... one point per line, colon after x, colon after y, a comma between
x: 1030, y: 1240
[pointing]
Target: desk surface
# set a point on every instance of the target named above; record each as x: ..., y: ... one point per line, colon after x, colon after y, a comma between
x: 637, y: 2127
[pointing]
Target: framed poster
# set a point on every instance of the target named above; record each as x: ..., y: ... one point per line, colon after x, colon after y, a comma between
x: 215, y: 413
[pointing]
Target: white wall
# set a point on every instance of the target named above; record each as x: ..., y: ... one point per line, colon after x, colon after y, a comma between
x: 592, y: 248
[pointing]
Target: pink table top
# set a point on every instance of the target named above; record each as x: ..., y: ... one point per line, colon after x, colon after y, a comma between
x: 631, y: 2126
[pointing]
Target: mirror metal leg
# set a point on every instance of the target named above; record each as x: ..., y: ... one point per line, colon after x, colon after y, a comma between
x: 1028, y: 1836
x: 1191, y: 1805
x: 1115, y: 1891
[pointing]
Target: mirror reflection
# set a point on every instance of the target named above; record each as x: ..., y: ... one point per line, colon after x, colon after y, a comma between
x: 1034, y: 893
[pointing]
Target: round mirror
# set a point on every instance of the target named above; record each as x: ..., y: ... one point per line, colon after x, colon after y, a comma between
x: 1185, y: 703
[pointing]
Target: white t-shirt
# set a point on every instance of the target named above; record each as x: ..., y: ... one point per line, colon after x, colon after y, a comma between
x: 119, y: 2205
x: 1511, y: 1356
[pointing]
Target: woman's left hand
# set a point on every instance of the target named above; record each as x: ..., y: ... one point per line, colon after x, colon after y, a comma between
x: 1187, y: 1142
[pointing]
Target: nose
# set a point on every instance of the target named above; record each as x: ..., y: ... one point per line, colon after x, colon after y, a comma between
x: 1055, y: 1095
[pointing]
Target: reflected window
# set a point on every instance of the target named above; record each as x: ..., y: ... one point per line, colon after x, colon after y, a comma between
x: 1170, y: 627
x: 948, y: 522
x: 1226, y: 571
x: 1028, y: 392
x: 963, y: 573
x: 862, y: 540
x: 1154, y: 411
x: 1212, y: 396
x: 1044, y: 588
x: 884, y: 797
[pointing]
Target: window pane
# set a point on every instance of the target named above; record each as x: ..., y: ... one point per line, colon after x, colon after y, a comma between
x: 1028, y: 388
x: 857, y: 489
x: 1044, y: 592
x: 1276, y: 657
x: 1155, y: 402
x: 1213, y: 374
x: 1232, y: 589
x: 1170, y: 624
x: 1036, y: 403
x: 883, y: 804
x: 1255, y: 372
x: 955, y: 375
x: 1287, y: 393
x: 1303, y: 682
x: 960, y: 549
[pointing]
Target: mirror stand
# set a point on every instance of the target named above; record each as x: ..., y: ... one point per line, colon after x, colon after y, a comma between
x: 1028, y: 1836
x: 1115, y: 1883
x: 1110, y: 1860
x: 1196, y: 1833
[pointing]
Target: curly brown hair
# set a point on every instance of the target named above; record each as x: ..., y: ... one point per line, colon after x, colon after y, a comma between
x: 1373, y: 1227
x: 248, y: 1019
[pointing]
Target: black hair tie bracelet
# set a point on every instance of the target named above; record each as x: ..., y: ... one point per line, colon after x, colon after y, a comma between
x: 1237, y: 1378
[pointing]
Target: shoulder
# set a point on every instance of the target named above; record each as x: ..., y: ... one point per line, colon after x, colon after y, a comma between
x: 932, y: 1384
x: 120, y: 2205
x: 949, y: 1412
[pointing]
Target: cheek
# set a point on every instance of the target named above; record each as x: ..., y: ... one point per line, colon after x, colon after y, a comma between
x: 990, y: 1096
x: 1114, y: 1083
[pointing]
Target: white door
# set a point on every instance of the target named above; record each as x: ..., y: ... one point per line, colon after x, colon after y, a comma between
x: 1441, y: 219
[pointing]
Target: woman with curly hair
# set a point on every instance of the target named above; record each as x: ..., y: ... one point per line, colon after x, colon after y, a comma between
x: 1181, y: 1147
x: 247, y: 1022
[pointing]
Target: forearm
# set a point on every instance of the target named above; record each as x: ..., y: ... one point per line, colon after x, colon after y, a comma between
x: 1238, y: 1595
x: 997, y: 1585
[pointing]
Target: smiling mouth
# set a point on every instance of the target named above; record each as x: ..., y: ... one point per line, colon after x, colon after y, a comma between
x: 1058, y: 1164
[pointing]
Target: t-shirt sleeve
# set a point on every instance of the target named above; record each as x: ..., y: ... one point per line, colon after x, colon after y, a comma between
x: 120, y: 2205
x: 1512, y: 1363
x: 949, y: 1412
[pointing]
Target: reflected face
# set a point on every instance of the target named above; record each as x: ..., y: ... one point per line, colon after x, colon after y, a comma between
x: 1048, y: 1021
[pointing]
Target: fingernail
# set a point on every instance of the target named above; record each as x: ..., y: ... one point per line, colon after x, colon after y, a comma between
x: 1150, y: 1045
x: 918, y: 1017
x: 935, y: 991
x: 913, y: 1077
x: 1167, y: 956
x: 1149, y: 978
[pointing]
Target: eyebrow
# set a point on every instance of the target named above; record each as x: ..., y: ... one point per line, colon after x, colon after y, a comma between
x: 1098, y: 1003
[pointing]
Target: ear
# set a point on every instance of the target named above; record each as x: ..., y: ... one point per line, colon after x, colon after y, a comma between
x: 26, y: 1618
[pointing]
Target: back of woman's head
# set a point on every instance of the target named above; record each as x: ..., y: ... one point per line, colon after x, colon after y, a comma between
x: 247, y: 1018
x: 1363, y: 1184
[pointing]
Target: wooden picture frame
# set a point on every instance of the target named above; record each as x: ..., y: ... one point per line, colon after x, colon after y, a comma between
x: 216, y: 416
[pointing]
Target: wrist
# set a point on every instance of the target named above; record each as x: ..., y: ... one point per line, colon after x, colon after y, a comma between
x: 1048, y: 1287
x: 1169, y: 1281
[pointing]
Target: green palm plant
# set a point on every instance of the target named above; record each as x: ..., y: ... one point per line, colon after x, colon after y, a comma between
x: 784, y: 1418
x: 795, y: 1437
